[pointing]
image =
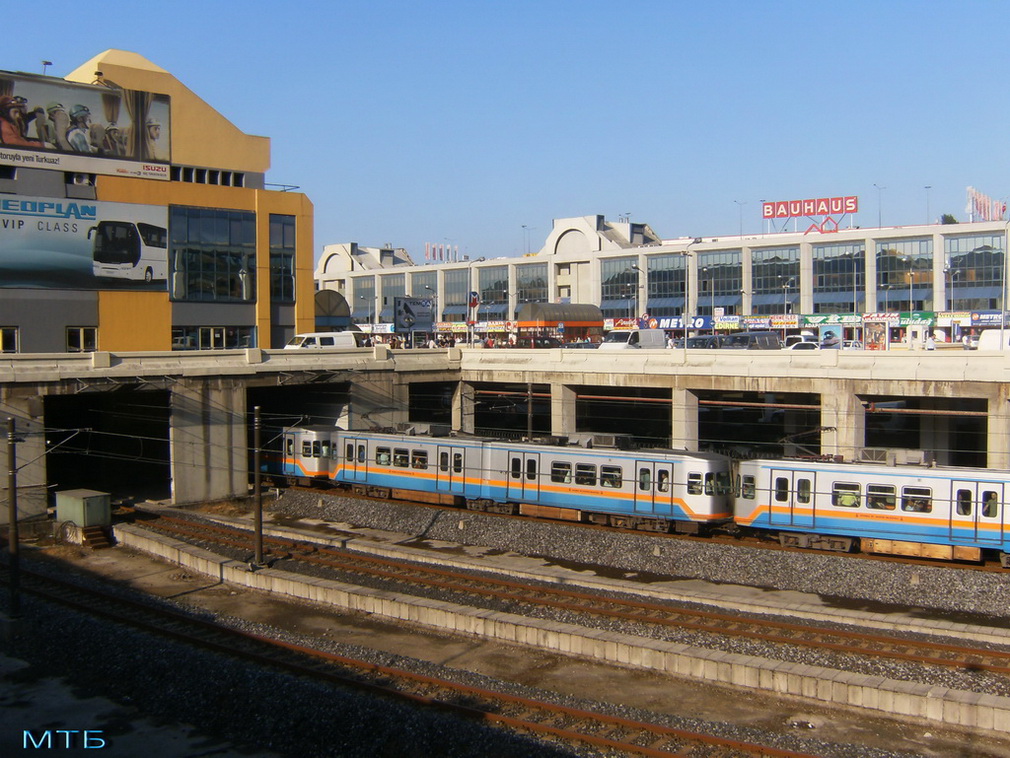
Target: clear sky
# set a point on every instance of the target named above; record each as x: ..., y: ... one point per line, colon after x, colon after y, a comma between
x: 461, y: 121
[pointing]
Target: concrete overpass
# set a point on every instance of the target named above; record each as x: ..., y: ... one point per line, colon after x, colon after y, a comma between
x: 206, y: 397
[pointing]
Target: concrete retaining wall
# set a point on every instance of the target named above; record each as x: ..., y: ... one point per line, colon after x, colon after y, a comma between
x: 939, y: 704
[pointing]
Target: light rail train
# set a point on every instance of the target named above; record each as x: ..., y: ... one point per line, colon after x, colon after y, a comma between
x: 943, y: 513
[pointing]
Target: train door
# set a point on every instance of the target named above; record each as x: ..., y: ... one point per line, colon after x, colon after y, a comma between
x: 523, y: 476
x: 791, y: 498
x: 976, y: 512
x: 653, y: 487
x: 450, y: 476
x: 355, y: 459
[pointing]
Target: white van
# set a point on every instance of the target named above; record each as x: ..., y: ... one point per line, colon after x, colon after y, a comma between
x: 634, y: 339
x: 989, y: 339
x: 320, y: 340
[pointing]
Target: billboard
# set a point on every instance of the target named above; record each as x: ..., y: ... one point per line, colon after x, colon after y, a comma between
x: 83, y: 128
x: 413, y: 314
x: 74, y: 244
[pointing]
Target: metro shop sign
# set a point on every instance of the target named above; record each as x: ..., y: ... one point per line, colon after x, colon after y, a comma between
x: 823, y: 206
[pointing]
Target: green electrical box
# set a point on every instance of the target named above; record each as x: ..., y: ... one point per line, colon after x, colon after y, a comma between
x: 84, y: 507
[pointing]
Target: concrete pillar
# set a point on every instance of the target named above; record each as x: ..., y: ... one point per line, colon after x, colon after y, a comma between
x: 684, y: 420
x: 844, y: 414
x: 208, y: 440
x: 935, y: 434
x: 563, y: 419
x: 30, y: 444
x: 998, y: 430
x: 463, y: 408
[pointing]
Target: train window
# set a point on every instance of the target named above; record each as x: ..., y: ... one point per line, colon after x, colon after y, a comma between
x: 531, y: 468
x: 361, y: 453
x: 457, y: 463
x: 723, y: 483
x: 990, y: 504
x: 382, y: 456
x: 419, y: 459
x: 517, y: 468
x: 645, y: 479
x: 317, y: 449
x: 802, y: 490
x: 611, y: 476
x: 748, y: 487
x: 781, y: 489
x: 561, y: 472
x: 663, y: 480
x: 845, y: 495
x: 349, y: 452
x: 694, y: 484
x: 880, y: 497
x: 709, y: 483
x: 963, y: 500
x: 306, y: 449
x: 401, y: 457
x: 326, y: 448
x: 289, y: 443
x: 443, y: 461
x: 585, y: 473
x: 917, y: 499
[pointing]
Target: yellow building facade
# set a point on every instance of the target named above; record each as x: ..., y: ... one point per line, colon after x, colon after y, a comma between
x: 133, y: 216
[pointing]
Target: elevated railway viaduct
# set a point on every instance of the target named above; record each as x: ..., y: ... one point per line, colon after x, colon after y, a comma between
x: 176, y: 426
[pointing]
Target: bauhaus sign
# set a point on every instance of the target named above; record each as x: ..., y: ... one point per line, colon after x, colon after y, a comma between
x: 822, y: 206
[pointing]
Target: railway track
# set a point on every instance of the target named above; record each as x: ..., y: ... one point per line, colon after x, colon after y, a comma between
x: 544, y: 720
x: 465, y: 585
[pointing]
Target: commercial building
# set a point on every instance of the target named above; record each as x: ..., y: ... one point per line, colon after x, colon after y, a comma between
x: 949, y: 277
x: 133, y: 216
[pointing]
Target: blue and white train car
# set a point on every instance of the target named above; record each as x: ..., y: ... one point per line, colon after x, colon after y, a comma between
x: 638, y: 489
x: 306, y: 454
x: 945, y: 513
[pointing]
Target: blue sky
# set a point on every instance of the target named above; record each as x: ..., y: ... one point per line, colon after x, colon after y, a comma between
x: 461, y: 122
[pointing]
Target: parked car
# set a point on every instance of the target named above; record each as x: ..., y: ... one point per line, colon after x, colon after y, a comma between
x: 852, y: 345
x: 803, y: 346
x: 581, y: 345
x: 537, y: 342
x: 705, y: 342
x: 752, y: 341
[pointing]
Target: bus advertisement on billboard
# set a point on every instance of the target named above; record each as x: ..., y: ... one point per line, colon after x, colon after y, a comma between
x: 74, y: 244
x: 52, y: 124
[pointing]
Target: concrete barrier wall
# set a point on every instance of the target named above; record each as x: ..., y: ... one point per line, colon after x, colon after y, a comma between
x: 939, y: 704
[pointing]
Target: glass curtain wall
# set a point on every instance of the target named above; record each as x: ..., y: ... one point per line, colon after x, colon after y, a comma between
x: 839, y: 277
x: 775, y: 277
x: 667, y: 284
x: 905, y: 274
x: 720, y: 282
x: 973, y: 272
x: 531, y: 285
x: 619, y: 290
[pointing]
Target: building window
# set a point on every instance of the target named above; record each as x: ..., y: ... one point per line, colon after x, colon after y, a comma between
x: 282, y: 258
x: 9, y: 342
x: 213, y: 337
x: 212, y: 255
x: 82, y: 339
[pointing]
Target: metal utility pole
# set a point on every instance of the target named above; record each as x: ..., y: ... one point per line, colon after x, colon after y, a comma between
x: 257, y: 490
x: 12, y: 524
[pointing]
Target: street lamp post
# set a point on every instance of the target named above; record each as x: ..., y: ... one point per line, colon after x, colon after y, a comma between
x: 1002, y: 291
x: 785, y: 303
x: 470, y: 307
x: 687, y: 270
x: 638, y: 287
x: 880, y: 203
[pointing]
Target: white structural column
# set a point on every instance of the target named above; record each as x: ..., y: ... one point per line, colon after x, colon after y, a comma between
x: 463, y: 408
x: 683, y: 420
x: 844, y: 421
x: 208, y: 439
x: 563, y: 419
